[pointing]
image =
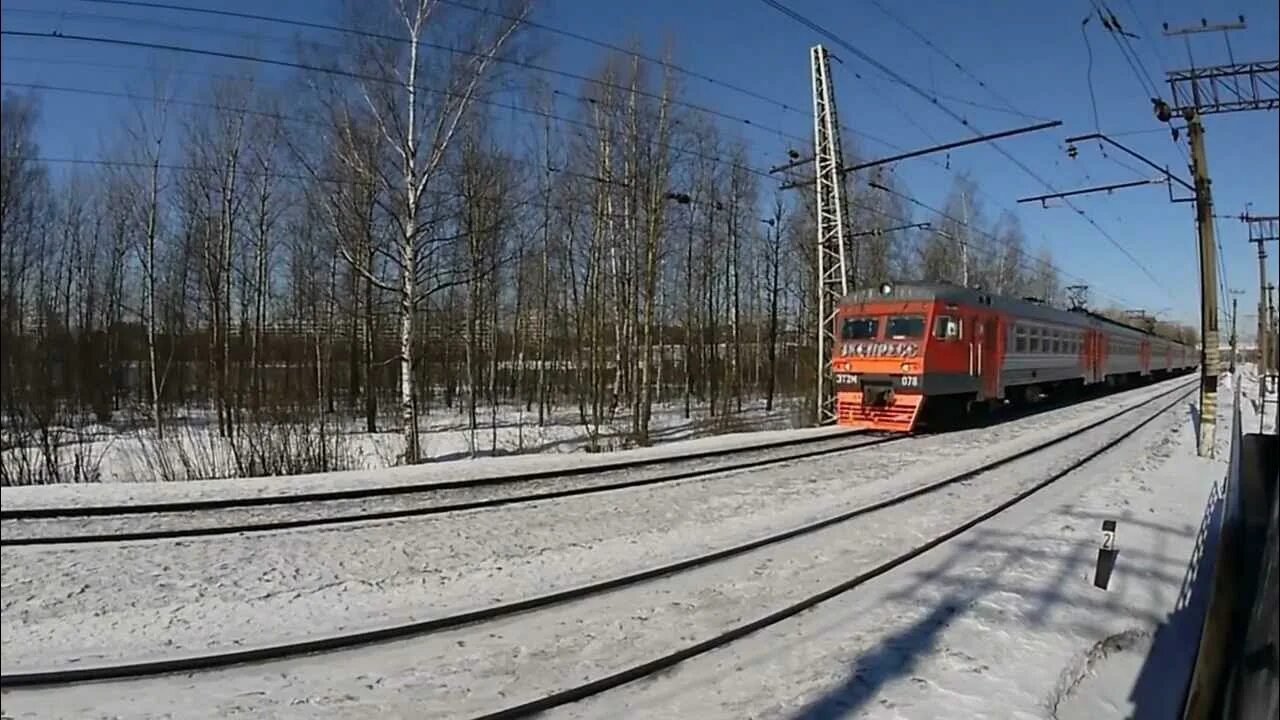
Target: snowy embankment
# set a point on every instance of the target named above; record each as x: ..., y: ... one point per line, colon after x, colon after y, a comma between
x: 1258, y: 409
x: 191, y: 447
x: 431, y: 498
x: 1004, y: 621
x: 487, y: 666
x: 380, y: 475
x: 105, y: 601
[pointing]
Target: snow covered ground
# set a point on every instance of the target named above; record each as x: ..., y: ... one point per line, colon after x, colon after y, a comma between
x: 123, y: 599
x: 439, y: 497
x: 1258, y: 407
x: 192, y: 449
x: 1003, y: 622
x: 439, y: 471
x: 107, y: 601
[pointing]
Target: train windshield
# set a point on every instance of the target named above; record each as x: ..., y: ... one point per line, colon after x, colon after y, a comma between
x: 905, y: 326
x: 859, y: 328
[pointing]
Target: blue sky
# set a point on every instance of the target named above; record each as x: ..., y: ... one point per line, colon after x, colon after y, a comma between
x: 1031, y: 53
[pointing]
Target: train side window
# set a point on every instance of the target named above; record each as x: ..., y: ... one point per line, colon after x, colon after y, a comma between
x: 946, y: 327
x: 1035, y: 340
x: 1020, y: 339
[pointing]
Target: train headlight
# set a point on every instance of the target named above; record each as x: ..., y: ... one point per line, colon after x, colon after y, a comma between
x: 886, y: 288
x: 906, y: 367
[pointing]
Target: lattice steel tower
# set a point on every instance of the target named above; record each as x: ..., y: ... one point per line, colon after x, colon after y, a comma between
x: 832, y: 281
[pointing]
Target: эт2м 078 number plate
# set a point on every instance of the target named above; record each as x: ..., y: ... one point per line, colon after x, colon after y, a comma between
x: 853, y: 381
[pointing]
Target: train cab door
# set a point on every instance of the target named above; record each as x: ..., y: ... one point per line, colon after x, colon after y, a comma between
x: 983, y: 354
x: 1095, y: 356
x: 969, y: 334
x: 988, y: 337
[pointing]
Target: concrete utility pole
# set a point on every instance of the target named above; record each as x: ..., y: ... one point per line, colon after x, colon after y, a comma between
x: 1209, y: 368
x: 1232, y: 360
x: 1274, y: 349
x: 1197, y: 92
x: 1233, y: 335
x: 1263, y: 229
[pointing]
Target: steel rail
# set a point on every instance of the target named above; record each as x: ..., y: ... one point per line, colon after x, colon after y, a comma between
x: 636, y: 672
x: 212, y: 661
x: 424, y: 510
x: 44, y: 513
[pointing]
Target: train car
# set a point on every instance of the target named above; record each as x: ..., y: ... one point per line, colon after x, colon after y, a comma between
x: 902, y: 346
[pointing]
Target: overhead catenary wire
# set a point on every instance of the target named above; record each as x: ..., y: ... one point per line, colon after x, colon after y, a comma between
x: 632, y: 53
x: 306, y: 67
x: 990, y: 236
x: 1088, y: 70
x: 845, y: 128
x: 1132, y: 58
x: 748, y: 122
x: 1089, y: 51
x: 1123, y: 39
x: 898, y: 78
x: 43, y: 87
x: 483, y: 101
x: 1160, y: 59
x: 1223, y: 286
x: 545, y: 27
x: 506, y: 106
x: 383, y: 37
x: 1164, y: 65
x: 308, y: 177
x: 1008, y: 106
x: 283, y: 117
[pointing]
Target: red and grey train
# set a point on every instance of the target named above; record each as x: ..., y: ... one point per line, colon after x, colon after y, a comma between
x: 900, y: 346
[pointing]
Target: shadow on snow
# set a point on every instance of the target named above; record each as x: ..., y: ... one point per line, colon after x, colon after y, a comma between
x: 898, y: 655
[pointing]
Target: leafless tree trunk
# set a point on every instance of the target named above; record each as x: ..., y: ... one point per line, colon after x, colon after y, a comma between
x: 148, y: 131
x: 545, y: 276
x: 420, y: 135
x: 657, y: 183
x: 265, y: 218
x: 775, y: 262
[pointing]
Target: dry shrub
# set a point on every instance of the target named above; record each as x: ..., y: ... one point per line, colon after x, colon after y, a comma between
x: 276, y: 443
x: 37, y: 450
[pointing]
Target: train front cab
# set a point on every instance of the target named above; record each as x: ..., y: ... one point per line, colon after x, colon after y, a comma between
x: 893, y: 355
x: 878, y: 364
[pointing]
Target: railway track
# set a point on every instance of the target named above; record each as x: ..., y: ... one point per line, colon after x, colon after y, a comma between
x: 171, y: 520
x: 410, y: 630
x: 664, y: 662
x: 174, y: 520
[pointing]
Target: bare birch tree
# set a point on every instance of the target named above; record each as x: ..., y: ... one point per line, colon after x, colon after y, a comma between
x: 418, y: 124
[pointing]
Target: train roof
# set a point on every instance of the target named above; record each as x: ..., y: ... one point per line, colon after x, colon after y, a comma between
x: 958, y: 294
